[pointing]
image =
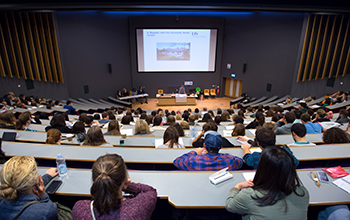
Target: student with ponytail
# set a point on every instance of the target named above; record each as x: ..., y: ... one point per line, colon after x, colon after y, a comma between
x: 110, y: 178
x: 23, y: 122
x: 21, y: 184
x: 54, y: 136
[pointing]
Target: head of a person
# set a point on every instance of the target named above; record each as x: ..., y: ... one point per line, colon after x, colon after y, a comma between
x: 126, y: 120
x: 260, y: 118
x: 7, y: 118
x: 321, y: 113
x: 238, y: 120
x: 343, y: 113
x: 53, y: 136
x: 211, y: 113
x: 140, y: 87
x: 23, y: 120
x: 218, y: 111
x: 143, y: 116
x: 335, y: 136
x: 196, y: 110
x: 297, y: 114
x: 265, y: 137
x: 269, y: 126
x: 82, y: 117
x: 178, y: 116
x: 212, y: 141
x: 113, y: 127
x: 94, y: 137
x: 275, y: 175
x: 171, y: 135
x: 305, y: 118
x: 105, y: 115
x: 191, y: 118
x: 298, y: 130
x: 206, y: 117
x: 217, y: 119
x: 269, y: 113
x: 157, y: 120
x: 225, y: 116
x: 69, y: 103
x: 303, y: 105
x: 18, y: 175
x: 290, y: 117
x: 179, y: 129
x: 170, y: 119
x: 58, y: 121
x: 78, y: 127
x: 182, y: 87
x: 250, y: 109
x: 110, y: 178
x: 141, y: 127
x: 149, y: 119
x: 89, y: 120
x: 184, y: 125
x: 238, y: 130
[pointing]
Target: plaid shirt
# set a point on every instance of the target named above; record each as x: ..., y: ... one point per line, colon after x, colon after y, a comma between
x: 208, y: 162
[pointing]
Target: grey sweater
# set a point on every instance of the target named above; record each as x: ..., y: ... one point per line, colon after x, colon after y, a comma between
x: 281, y: 128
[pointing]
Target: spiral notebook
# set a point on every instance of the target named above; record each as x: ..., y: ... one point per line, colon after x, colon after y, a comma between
x: 343, y: 183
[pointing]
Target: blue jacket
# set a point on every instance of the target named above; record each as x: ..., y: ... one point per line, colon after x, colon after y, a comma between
x: 37, y: 211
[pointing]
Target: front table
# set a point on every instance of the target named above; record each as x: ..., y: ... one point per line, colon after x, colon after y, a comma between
x: 170, y: 99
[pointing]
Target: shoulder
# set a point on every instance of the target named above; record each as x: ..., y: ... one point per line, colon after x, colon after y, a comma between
x: 82, y: 210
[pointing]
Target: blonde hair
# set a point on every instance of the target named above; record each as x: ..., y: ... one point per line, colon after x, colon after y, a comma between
x: 141, y: 126
x: 17, y: 176
x: 53, y: 136
x: 178, y: 116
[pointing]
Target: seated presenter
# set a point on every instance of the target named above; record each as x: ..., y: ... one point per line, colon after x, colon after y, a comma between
x: 182, y: 90
x: 141, y: 91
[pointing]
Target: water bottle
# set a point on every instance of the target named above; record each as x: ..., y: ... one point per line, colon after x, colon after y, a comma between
x: 61, y: 166
x: 193, y: 131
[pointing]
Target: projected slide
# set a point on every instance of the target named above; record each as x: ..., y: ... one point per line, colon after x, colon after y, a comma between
x: 176, y: 50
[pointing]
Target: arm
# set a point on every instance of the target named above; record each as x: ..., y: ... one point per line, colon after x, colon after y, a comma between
x: 199, y: 136
x: 237, y: 201
x: 252, y: 160
x: 246, y: 148
x: 183, y: 161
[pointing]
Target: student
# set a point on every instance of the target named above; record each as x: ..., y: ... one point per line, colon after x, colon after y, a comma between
x: 274, y: 193
x: 113, y: 128
x: 284, y: 125
x: 170, y: 120
x: 225, y: 116
x: 142, y: 128
x: 110, y: 178
x: 171, y: 138
x: 320, y: 116
x: 238, y: 130
x: 59, y: 123
x: 79, y: 131
x: 311, y: 127
x: 53, y: 136
x: 156, y: 124
x: 298, y: 134
x: 7, y: 120
x: 94, y: 137
x: 335, y: 136
x: 264, y: 138
x: 69, y: 106
x: 20, y: 184
x: 258, y: 121
x: 23, y: 122
x: 141, y: 91
x: 343, y: 117
x: 297, y: 114
x: 105, y: 118
x: 208, y: 158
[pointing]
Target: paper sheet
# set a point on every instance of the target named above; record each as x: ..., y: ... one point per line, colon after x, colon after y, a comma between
x: 343, y: 183
x: 249, y: 176
x: 128, y: 132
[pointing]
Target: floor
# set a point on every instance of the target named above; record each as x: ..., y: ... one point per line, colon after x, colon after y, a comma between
x: 210, y: 103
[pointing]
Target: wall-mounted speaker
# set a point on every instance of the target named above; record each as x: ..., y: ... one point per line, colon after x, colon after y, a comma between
x: 330, y: 82
x: 110, y: 68
x: 86, y: 89
x: 269, y: 87
x: 29, y: 84
x: 244, y: 67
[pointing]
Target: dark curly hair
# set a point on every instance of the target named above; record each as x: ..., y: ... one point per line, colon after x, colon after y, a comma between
x: 335, y: 136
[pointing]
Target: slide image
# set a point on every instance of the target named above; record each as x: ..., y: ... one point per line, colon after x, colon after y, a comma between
x: 173, y: 51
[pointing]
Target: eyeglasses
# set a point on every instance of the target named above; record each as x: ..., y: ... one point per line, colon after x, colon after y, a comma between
x: 314, y: 178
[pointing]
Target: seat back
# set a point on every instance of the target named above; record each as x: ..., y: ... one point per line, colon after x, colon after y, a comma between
x: 212, y: 92
x: 160, y: 91
x: 206, y: 91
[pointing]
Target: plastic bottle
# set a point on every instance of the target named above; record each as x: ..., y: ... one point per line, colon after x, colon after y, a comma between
x: 61, y: 166
x: 193, y: 131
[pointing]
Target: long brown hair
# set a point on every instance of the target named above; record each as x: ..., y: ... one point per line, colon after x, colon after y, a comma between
x: 113, y: 127
x: 171, y: 134
x: 108, y: 174
x: 238, y: 130
x: 94, y: 137
x: 22, y: 120
x: 53, y: 136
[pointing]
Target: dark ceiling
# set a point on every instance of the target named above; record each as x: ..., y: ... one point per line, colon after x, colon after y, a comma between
x: 327, y: 6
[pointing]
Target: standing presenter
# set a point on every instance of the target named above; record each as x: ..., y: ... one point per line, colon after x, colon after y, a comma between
x: 182, y: 90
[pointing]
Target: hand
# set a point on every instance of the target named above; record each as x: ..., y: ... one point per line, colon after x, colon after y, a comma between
x: 40, y: 188
x: 199, y: 150
x: 245, y: 146
x: 245, y: 184
x: 273, y: 122
x: 241, y: 138
x: 52, y: 172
